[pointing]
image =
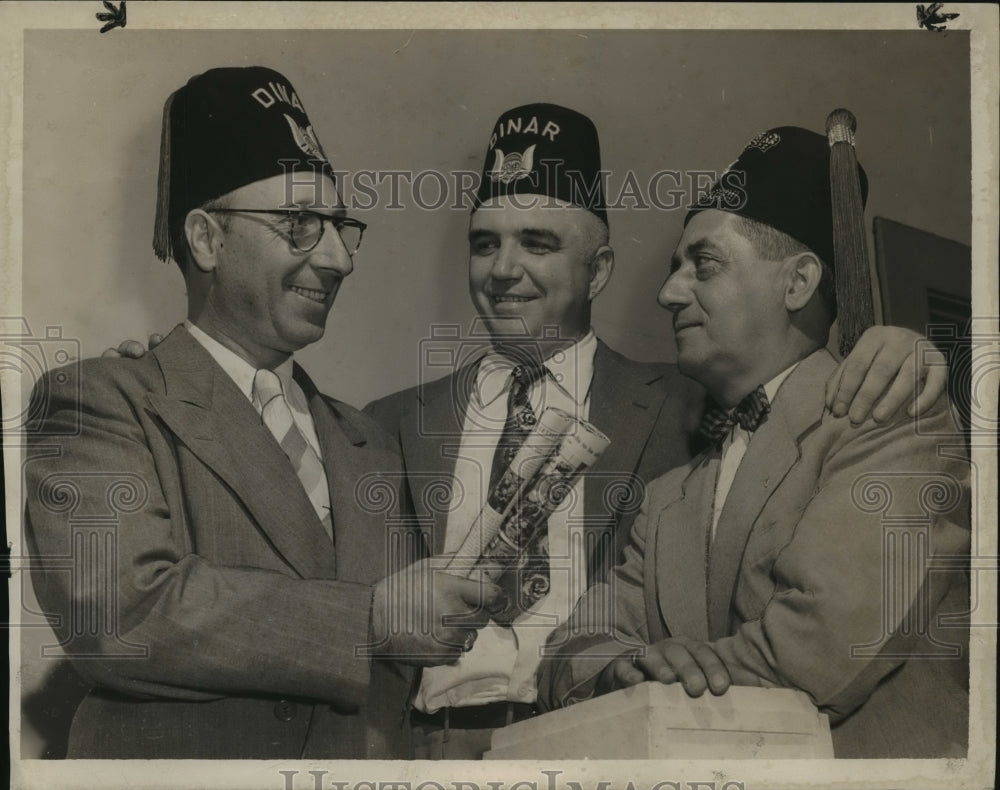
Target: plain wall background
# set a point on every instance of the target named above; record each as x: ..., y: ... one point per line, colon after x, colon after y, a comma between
x: 427, y: 100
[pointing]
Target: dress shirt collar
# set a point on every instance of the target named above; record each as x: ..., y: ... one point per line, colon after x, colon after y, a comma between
x: 772, y: 387
x: 571, y: 369
x: 237, y: 368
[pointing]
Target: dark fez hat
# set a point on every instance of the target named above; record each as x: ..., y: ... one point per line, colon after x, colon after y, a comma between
x: 225, y: 129
x: 544, y: 149
x: 782, y: 179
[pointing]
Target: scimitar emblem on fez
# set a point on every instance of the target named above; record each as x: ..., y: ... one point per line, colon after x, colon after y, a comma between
x: 305, y: 138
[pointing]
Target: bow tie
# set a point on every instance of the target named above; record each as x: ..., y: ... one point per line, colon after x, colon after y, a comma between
x: 749, y: 413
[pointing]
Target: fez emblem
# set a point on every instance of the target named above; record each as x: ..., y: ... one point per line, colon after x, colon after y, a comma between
x: 513, y: 166
x: 721, y: 198
x: 305, y: 138
x: 764, y: 140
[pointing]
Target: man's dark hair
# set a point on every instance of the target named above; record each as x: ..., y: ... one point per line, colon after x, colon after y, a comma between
x: 774, y: 245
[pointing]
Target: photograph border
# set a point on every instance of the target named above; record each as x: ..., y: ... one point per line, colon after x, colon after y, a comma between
x: 977, y: 771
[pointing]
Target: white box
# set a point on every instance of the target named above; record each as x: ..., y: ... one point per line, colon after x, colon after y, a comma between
x: 653, y: 720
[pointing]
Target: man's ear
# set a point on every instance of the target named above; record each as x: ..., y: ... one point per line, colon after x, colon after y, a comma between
x: 601, y: 267
x: 204, y: 237
x: 802, y: 275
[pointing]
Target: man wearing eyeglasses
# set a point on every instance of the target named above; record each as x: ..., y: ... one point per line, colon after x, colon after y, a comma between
x: 239, y: 599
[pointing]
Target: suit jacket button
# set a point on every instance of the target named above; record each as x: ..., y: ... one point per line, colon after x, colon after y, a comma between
x: 284, y: 710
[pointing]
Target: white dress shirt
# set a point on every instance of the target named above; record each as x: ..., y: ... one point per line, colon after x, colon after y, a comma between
x: 734, y: 447
x: 242, y: 373
x: 501, y: 665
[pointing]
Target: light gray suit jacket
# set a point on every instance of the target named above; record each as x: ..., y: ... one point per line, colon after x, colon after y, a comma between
x: 837, y: 557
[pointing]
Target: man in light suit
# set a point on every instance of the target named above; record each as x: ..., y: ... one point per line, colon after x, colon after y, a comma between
x: 226, y: 525
x: 776, y: 557
x: 539, y: 256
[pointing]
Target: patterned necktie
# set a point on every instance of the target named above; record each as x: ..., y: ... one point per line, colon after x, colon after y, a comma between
x: 529, y: 580
x: 749, y: 414
x: 269, y: 400
x: 520, y: 420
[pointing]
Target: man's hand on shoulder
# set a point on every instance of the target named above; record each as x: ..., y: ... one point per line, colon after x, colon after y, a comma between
x: 887, y: 369
x: 695, y: 665
x: 133, y: 349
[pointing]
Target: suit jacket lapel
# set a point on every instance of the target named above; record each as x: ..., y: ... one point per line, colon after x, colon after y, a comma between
x: 772, y: 451
x: 622, y: 405
x: 681, y: 557
x: 625, y: 407
x: 431, y: 435
x: 206, y: 411
x: 357, y: 549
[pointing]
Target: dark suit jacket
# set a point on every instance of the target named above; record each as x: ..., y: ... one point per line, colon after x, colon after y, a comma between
x: 648, y: 410
x: 828, y: 573
x: 188, y: 575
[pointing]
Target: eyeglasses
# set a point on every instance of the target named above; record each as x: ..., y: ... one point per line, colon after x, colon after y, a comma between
x: 306, y: 227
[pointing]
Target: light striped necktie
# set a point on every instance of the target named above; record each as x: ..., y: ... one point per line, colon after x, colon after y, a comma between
x: 269, y: 400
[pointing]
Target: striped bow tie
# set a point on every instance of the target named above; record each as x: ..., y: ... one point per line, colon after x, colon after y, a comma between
x: 749, y: 413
